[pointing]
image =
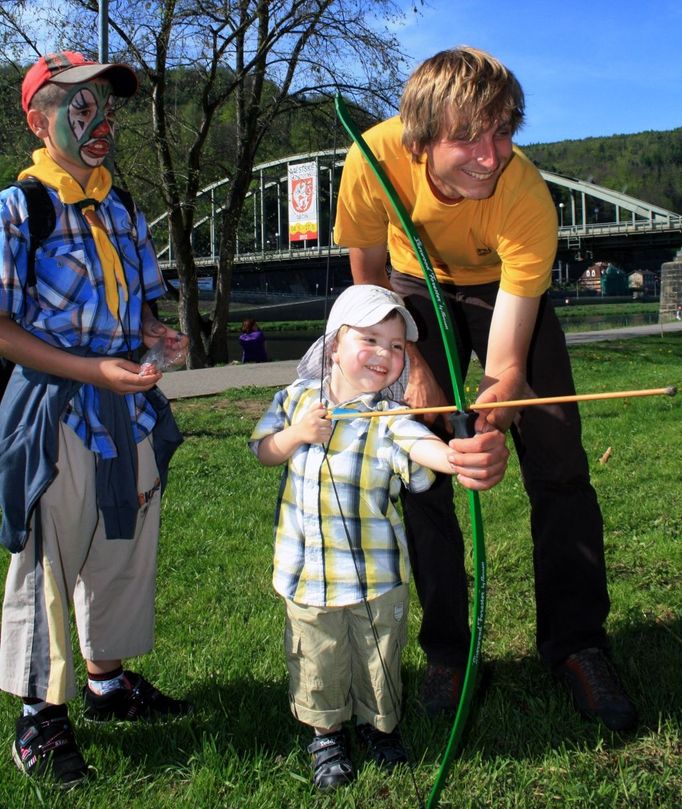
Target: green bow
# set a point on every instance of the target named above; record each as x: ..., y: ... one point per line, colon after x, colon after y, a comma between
x: 449, y: 342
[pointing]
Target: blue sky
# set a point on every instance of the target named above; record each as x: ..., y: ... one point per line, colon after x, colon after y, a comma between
x: 587, y: 68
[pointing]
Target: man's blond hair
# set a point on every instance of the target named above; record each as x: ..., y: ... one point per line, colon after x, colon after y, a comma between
x: 456, y: 94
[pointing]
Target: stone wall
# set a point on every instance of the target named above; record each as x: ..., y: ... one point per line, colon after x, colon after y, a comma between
x: 671, y: 289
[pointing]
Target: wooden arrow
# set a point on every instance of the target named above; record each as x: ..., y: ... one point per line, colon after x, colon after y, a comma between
x: 339, y: 413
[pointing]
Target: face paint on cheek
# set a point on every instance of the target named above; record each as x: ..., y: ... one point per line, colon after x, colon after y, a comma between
x: 64, y: 137
x: 84, y: 128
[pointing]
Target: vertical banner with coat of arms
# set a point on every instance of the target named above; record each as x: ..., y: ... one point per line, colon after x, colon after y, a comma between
x: 303, y: 202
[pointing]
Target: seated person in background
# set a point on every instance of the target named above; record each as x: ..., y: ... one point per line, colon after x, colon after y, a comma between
x: 252, y: 341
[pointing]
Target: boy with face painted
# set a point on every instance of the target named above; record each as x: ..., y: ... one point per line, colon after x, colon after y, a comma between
x: 85, y: 439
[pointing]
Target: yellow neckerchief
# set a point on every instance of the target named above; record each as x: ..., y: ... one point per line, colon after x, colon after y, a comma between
x: 70, y: 192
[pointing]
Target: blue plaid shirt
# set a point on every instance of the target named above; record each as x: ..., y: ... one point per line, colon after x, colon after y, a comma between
x: 368, y: 462
x: 67, y: 308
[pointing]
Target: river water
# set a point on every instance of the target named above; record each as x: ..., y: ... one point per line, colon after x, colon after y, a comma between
x: 615, y: 321
x: 292, y: 345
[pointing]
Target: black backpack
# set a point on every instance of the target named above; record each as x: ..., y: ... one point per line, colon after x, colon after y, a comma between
x: 41, y: 222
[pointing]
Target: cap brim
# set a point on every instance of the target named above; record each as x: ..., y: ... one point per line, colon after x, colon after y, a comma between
x: 122, y: 78
x: 380, y: 312
x: 373, y: 316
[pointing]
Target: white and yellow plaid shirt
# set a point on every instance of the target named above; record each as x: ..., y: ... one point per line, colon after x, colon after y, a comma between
x: 321, y: 512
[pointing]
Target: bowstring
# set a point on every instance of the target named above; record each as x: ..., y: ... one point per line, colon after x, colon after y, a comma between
x: 392, y: 689
x: 330, y: 236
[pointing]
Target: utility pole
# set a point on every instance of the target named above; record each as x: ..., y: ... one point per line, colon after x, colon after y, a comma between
x: 103, y: 31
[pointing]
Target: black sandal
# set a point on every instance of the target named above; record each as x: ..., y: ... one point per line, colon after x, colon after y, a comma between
x: 386, y: 749
x: 332, y: 767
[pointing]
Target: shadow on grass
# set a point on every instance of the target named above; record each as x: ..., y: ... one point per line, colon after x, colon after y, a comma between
x: 519, y: 712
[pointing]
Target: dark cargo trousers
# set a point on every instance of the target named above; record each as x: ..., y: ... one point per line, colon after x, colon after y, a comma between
x: 571, y: 595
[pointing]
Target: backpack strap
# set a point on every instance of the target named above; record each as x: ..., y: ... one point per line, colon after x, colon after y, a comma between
x: 127, y: 199
x: 41, y: 220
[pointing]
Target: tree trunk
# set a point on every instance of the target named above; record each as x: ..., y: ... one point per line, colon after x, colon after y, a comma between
x: 188, y: 304
x: 229, y: 224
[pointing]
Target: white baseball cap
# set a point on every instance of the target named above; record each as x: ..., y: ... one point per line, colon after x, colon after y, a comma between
x: 358, y: 306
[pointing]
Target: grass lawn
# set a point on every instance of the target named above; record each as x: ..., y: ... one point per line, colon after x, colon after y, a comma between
x: 219, y: 635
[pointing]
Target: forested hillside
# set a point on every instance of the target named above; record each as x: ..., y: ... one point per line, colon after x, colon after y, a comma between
x: 647, y: 165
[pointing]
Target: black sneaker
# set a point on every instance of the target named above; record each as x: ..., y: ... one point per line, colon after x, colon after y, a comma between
x: 386, y: 749
x: 332, y: 767
x: 596, y: 690
x: 138, y: 700
x: 45, y: 747
x: 441, y: 689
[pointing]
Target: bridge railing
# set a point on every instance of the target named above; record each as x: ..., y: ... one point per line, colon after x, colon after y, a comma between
x: 672, y: 223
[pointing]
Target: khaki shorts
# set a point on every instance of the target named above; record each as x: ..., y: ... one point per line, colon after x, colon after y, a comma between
x: 335, y: 668
x: 69, y: 561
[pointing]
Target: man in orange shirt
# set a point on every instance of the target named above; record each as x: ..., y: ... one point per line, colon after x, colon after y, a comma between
x: 489, y: 225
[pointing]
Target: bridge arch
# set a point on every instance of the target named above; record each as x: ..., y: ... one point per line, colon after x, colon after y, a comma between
x: 585, y: 211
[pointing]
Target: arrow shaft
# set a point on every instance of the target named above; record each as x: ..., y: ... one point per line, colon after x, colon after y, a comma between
x: 546, y: 400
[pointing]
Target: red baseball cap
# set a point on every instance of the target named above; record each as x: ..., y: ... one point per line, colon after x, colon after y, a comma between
x: 70, y: 67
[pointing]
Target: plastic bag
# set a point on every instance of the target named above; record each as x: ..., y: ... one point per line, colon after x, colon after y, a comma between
x: 167, y: 354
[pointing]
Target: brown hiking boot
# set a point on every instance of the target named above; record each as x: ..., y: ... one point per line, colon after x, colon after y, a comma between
x: 592, y: 681
x: 441, y: 689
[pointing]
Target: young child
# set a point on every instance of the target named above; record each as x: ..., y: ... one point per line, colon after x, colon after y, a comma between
x: 86, y: 439
x: 340, y: 548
